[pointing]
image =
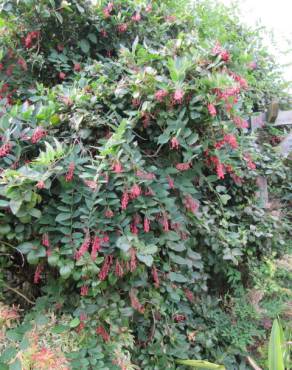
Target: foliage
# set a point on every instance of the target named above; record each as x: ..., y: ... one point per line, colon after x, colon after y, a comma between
x: 128, y: 187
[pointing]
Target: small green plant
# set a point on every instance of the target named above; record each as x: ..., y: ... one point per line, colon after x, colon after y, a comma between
x: 199, y: 364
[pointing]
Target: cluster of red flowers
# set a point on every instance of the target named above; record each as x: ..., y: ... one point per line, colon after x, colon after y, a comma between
x: 125, y: 199
x: 218, y: 50
x: 146, y: 225
x: 119, y: 270
x: 104, y: 271
x: 31, y: 36
x: 70, y: 173
x: 145, y: 175
x: 5, y: 149
x: 136, y: 17
x: 45, y: 240
x: 135, y: 302
x: 84, y: 290
x: 37, y: 275
x: 117, y: 167
x: 103, y: 333
x: 250, y: 164
x: 240, y: 122
x: 38, y: 134
x: 122, y: 27
x: 183, y: 166
x: 135, y: 191
x: 96, y: 246
x: 83, y: 249
x: 174, y: 143
x: 160, y: 95
x: 108, y: 9
x: 178, y: 96
x: 212, y: 110
x: 227, y: 139
x: 191, y: 204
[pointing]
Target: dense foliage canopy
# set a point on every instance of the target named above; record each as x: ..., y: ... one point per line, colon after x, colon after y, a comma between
x: 129, y: 179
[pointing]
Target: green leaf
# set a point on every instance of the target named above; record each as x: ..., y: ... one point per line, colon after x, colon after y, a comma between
x: 25, y: 247
x: 15, y: 205
x: 225, y: 198
x: 200, y: 364
x: 66, y: 270
x: 74, y: 323
x: 276, y: 359
x: 123, y: 243
x: 63, y: 217
x: 84, y: 45
x: 179, y: 278
x: 4, y: 229
x: 148, y: 260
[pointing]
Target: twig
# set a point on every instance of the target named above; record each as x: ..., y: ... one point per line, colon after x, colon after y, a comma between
x: 253, y: 363
x: 19, y: 293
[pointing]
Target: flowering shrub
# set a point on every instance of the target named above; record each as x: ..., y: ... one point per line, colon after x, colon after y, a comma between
x: 128, y: 171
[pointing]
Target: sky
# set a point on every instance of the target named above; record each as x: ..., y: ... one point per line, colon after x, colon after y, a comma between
x: 276, y: 15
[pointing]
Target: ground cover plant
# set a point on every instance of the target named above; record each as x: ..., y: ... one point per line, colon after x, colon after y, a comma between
x: 132, y: 230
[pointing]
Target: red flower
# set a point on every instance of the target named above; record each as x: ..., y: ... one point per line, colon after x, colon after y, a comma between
x: 22, y: 64
x: 109, y: 213
x: 178, y: 96
x: 189, y: 295
x: 225, y: 55
x: 174, y: 143
x: 135, y: 191
x: 170, y: 182
x: 145, y: 175
x: 103, y: 273
x: 70, y: 173
x: 37, y: 275
x: 252, y: 65
x: 62, y: 76
x: 77, y: 67
x: 83, y: 249
x: 45, y: 240
x: 95, y: 248
x: 179, y: 318
x: 91, y: 184
x: 136, y: 17
x: 148, y: 8
x: 133, y: 262
x: 117, y: 167
x: 212, y: 110
x: 38, y: 134
x: 183, y: 166
x: 103, y: 33
x: 125, y: 200
x: 119, y: 271
x: 146, y: 225
x: 103, y: 333
x: 160, y: 95
x: 231, y: 140
x: 40, y: 185
x: 155, y: 277
x: 135, y: 302
x: 220, y: 170
x: 240, y: 123
x: 122, y: 27
x: 165, y: 223
x: 217, y: 48
x: 5, y: 149
x: 84, y: 290
x: 250, y: 164
x: 191, y: 204
x: 1, y: 66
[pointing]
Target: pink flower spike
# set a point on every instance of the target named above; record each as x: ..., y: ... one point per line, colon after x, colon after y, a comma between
x: 178, y: 96
x: 212, y: 110
x: 174, y: 143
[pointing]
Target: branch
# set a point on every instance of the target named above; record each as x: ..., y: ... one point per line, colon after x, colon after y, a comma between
x: 19, y: 293
x: 253, y: 363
